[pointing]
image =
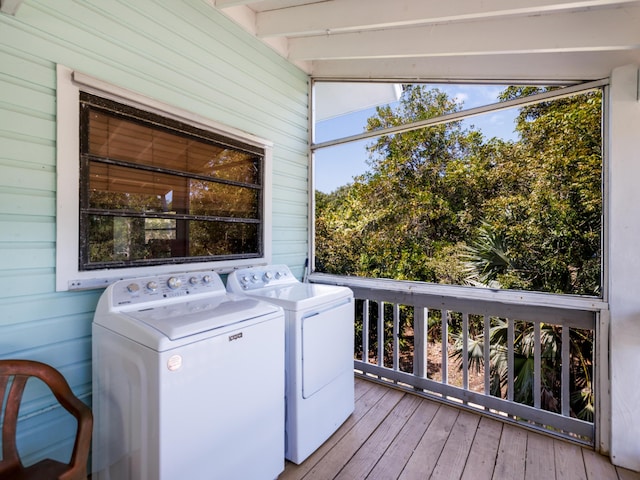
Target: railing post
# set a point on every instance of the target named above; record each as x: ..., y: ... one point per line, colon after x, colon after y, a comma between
x: 365, y: 330
x: 487, y: 355
x: 564, y: 376
x: 601, y: 382
x: 396, y: 336
x: 465, y: 351
x: 510, y: 359
x: 381, y: 334
x: 537, y: 363
x: 420, y: 342
x: 444, y: 317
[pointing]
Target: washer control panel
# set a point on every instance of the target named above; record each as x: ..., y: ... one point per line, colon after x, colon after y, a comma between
x: 253, y: 278
x: 164, y: 287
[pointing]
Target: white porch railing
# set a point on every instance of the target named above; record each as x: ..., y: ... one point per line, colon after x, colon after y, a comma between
x: 400, y: 324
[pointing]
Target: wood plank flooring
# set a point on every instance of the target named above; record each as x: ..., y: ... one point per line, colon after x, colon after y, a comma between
x: 396, y: 435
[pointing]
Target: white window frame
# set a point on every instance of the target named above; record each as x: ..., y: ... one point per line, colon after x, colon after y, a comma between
x: 68, y: 275
x: 566, y: 91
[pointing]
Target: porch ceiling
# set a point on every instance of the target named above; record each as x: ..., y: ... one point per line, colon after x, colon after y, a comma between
x: 446, y: 40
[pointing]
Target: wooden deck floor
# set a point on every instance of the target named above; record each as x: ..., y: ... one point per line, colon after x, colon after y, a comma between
x: 396, y: 435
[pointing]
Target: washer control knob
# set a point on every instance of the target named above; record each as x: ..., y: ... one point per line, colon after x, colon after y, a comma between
x: 278, y: 275
x: 174, y: 283
x: 193, y: 280
x: 244, y: 279
x: 268, y: 276
x: 255, y: 278
x: 133, y: 288
x: 206, y: 279
x: 152, y: 286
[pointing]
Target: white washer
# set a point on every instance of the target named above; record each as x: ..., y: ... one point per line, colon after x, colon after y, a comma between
x: 188, y: 382
x: 319, y: 360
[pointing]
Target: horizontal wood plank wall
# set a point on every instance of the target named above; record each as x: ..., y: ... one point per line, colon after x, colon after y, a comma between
x: 180, y: 52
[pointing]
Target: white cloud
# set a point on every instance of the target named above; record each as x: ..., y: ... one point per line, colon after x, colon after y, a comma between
x: 461, y: 98
x: 491, y: 93
x: 496, y: 119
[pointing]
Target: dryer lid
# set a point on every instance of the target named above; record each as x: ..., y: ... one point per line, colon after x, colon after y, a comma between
x: 301, y: 295
x: 181, y: 320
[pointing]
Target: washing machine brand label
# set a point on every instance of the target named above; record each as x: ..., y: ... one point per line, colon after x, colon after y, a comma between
x: 237, y: 336
x: 174, y: 362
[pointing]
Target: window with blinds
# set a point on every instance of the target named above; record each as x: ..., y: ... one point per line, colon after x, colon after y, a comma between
x: 154, y: 190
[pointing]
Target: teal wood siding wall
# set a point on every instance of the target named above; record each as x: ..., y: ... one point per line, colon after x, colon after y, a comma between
x: 180, y: 52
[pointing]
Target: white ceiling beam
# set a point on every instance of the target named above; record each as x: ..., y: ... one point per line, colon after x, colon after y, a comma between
x: 533, y: 68
x: 246, y: 18
x: 337, y: 16
x: 594, y: 30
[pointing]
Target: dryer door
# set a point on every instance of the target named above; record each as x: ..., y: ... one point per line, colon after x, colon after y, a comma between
x: 327, y: 345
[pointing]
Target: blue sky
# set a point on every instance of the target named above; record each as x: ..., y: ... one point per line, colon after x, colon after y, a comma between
x: 336, y: 166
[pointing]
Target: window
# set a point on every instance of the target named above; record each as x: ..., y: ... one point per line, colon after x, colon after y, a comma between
x: 505, y: 194
x: 159, y: 189
x: 153, y: 189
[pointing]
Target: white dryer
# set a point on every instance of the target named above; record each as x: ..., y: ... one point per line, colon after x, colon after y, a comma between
x: 188, y: 382
x: 319, y: 352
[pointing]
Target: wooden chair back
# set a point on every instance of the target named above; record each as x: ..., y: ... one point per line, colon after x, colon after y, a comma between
x: 13, y: 376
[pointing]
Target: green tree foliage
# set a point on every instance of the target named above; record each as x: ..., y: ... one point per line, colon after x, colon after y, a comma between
x: 400, y: 219
x: 549, y: 221
x: 443, y: 204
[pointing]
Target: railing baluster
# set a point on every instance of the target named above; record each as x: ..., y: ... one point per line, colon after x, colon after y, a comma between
x: 487, y: 355
x: 510, y: 362
x: 380, y: 333
x: 396, y: 336
x: 566, y: 353
x: 465, y: 350
x: 445, y: 343
x: 419, y: 342
x: 365, y: 331
x: 537, y: 362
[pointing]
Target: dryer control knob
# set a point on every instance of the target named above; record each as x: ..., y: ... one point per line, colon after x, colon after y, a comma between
x: 133, y: 287
x: 255, y: 278
x: 268, y: 276
x: 193, y: 280
x: 206, y: 279
x: 174, y: 282
x: 152, y: 286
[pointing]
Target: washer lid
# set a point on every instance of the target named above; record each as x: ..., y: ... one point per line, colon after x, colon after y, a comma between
x: 181, y: 320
